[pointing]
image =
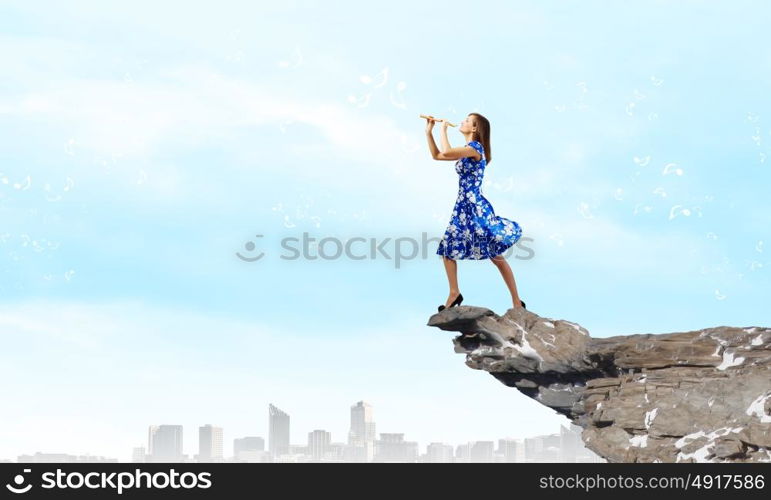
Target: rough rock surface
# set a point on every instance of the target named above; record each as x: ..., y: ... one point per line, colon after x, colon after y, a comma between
x: 697, y: 396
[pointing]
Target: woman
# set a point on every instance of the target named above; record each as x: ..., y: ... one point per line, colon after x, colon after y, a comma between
x: 474, y: 231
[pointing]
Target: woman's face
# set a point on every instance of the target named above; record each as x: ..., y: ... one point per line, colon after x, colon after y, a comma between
x: 467, y: 125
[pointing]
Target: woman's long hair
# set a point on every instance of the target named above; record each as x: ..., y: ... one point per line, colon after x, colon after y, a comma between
x: 483, y: 135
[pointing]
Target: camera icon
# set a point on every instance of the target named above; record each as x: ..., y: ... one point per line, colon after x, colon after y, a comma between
x: 18, y: 481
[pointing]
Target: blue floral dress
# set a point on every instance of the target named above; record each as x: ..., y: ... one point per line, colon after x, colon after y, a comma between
x: 474, y: 231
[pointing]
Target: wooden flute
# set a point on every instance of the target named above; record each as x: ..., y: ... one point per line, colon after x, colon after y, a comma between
x: 437, y: 119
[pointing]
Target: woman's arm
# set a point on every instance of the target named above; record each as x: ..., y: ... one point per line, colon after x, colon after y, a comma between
x: 449, y: 153
x: 432, y: 145
x: 445, y: 140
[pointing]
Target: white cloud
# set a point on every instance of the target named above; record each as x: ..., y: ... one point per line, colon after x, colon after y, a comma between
x: 124, y: 126
x: 357, y: 151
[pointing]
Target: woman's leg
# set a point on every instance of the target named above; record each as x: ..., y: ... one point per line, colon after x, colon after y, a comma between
x: 451, y: 268
x: 508, y: 277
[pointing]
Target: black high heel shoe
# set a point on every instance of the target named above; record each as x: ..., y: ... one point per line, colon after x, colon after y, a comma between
x: 523, y: 303
x: 455, y: 302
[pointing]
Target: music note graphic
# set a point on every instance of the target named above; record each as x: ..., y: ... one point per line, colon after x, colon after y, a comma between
x: 676, y: 210
x: 646, y: 208
x: 47, y: 189
x: 378, y: 81
x: 583, y: 209
x: 558, y: 238
x: 509, y: 184
x: 361, y: 101
x: 297, y: 60
x: 670, y: 167
x: 642, y: 161
x: 25, y: 185
x: 756, y: 136
x: 374, y: 82
x: 398, y: 101
x: 283, y: 125
x: 68, y: 184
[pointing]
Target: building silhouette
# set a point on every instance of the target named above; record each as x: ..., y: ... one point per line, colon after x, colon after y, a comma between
x: 482, y: 451
x: 439, y: 453
x: 138, y: 455
x: 361, y: 436
x: 361, y: 413
x: 511, y: 450
x: 278, y: 432
x: 63, y: 458
x: 319, y: 444
x: 250, y: 449
x: 391, y: 447
x: 164, y: 443
x: 210, y: 443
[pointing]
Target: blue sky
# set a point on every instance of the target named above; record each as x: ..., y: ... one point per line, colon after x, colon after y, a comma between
x: 145, y: 144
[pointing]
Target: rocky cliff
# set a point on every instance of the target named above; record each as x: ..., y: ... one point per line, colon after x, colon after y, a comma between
x: 697, y: 396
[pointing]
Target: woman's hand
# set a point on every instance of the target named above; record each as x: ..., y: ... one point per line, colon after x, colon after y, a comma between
x: 445, y: 124
x: 430, y: 124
